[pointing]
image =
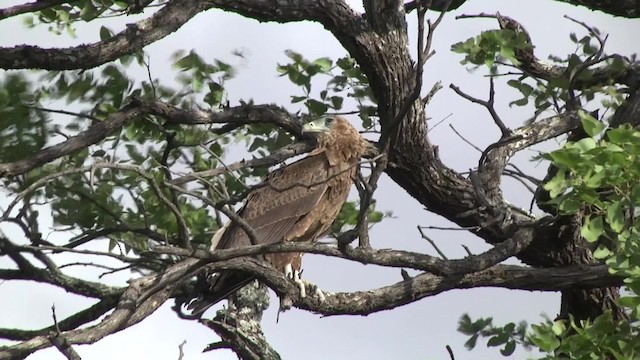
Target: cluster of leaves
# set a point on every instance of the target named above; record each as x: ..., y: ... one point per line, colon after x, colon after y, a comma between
x: 507, y: 336
x: 63, y: 17
x: 491, y: 48
x: 496, y: 49
x: 23, y: 128
x: 602, y: 338
x: 345, y: 78
x: 598, y: 178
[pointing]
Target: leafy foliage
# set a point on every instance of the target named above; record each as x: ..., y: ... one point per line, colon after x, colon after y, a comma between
x: 598, y: 177
x: 345, y: 78
x: 492, y: 46
x: 507, y: 337
x: 497, y: 49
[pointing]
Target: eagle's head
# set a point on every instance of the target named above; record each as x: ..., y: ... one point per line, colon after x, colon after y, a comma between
x: 339, y: 137
x: 319, y: 126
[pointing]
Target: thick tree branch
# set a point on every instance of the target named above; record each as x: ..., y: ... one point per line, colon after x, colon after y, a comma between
x: 239, y: 325
x: 138, y: 35
x: 240, y: 115
x: 78, y: 319
x: 424, y: 285
x: 94, y: 134
x: 624, y: 8
x: 382, y: 257
x: 128, y: 312
x: 29, y: 7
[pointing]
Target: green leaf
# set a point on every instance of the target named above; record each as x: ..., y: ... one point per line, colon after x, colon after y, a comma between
x: 592, y: 228
x: 570, y: 205
x: 615, y: 216
x: 324, y: 64
x: 316, y: 107
x: 336, y: 102
x: 591, y: 125
x: 558, y: 327
x: 601, y: 252
x: 585, y: 144
x: 496, y: 341
x: 346, y: 63
x: 557, y: 184
x: 509, y: 348
x: 297, y: 99
x: 105, y: 33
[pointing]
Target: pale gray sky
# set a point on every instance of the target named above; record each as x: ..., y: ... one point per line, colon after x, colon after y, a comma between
x: 417, y: 331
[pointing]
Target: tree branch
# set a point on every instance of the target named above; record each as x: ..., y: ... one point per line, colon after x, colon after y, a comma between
x: 127, y: 313
x: 138, y: 35
x: 29, y: 7
x: 424, y: 285
x: 92, y: 135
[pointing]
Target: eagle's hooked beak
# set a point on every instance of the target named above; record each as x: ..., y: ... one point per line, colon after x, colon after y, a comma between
x: 318, y: 126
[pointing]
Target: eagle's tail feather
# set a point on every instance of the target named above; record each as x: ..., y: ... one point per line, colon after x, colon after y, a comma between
x: 211, y: 292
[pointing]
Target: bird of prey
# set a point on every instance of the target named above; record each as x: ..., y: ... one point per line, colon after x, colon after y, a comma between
x: 298, y: 202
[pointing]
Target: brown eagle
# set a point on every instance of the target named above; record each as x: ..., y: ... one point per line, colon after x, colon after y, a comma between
x: 298, y: 202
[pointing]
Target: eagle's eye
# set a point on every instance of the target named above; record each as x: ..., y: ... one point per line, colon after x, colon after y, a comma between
x: 328, y: 121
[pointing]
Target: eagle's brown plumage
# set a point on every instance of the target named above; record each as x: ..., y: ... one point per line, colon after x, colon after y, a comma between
x: 298, y: 202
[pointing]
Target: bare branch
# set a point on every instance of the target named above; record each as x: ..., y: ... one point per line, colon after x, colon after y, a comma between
x: 433, y: 243
x: 424, y: 285
x: 274, y: 158
x: 487, y: 104
x: 78, y: 319
x: 382, y: 257
x: 125, y: 314
x: 60, y: 342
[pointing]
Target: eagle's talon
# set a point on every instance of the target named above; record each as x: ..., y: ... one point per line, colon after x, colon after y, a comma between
x: 295, y: 276
x: 301, y: 284
x: 315, y: 289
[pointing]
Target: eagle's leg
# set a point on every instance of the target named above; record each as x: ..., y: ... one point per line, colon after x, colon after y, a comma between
x: 303, y: 284
x: 295, y: 276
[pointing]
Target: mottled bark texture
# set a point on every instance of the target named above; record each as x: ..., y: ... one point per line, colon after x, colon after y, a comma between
x: 239, y: 325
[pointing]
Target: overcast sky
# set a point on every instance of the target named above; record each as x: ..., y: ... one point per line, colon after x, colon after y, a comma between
x: 417, y: 331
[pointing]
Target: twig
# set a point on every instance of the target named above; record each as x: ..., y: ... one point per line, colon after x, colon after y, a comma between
x: 433, y: 243
x: 147, y: 65
x: 439, y: 122
x: 424, y: 53
x: 65, y: 112
x: 58, y: 249
x: 59, y: 341
x: 463, y: 228
x: 450, y: 351
x: 173, y: 203
x: 464, y: 139
x: 516, y: 176
x: 274, y: 158
x: 180, y: 349
x: 489, y: 105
